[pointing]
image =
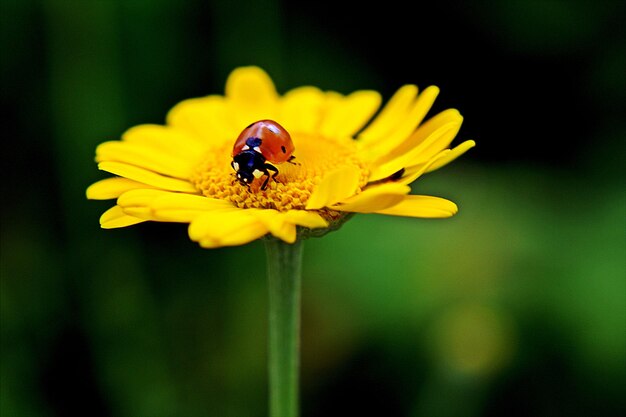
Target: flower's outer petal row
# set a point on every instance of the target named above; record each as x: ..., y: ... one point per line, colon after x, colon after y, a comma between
x: 109, y: 188
x: 167, y: 139
x: 183, y: 208
x: 234, y: 226
x: 304, y: 218
x: 207, y: 119
x: 374, y: 198
x: 446, y: 117
x: 275, y: 223
x: 230, y: 227
x: 251, y: 96
x: 414, y: 172
x: 444, y: 157
x: 159, y: 205
x: 147, y: 177
x: 137, y: 202
x: 439, y: 140
x: 422, y: 206
x: 115, y: 217
x: 421, y: 153
x: 301, y: 109
x: 146, y: 157
x: 168, y: 206
x: 334, y: 187
x: 404, y: 127
x: 345, y: 115
x: 452, y: 155
x: 283, y: 224
x: 390, y: 116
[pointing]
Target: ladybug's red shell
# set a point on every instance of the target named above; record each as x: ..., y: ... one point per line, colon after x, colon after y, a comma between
x: 276, y: 145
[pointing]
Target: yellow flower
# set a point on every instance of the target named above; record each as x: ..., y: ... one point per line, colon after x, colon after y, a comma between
x: 181, y: 172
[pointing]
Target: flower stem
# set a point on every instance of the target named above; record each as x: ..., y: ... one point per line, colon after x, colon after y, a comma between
x: 284, y: 265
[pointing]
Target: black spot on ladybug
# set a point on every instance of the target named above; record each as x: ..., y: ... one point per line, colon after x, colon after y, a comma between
x: 282, y: 148
x: 253, y: 142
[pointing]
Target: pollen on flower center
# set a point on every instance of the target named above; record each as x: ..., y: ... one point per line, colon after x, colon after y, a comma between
x: 315, y: 156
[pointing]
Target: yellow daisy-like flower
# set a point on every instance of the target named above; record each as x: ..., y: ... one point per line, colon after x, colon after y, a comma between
x: 181, y: 171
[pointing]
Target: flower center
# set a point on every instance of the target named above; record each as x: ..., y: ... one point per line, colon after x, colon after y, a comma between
x: 292, y: 187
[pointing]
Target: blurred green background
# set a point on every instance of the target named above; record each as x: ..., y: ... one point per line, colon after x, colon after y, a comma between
x: 516, y: 306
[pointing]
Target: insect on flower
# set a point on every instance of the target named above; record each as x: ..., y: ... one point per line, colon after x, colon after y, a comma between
x: 258, y: 146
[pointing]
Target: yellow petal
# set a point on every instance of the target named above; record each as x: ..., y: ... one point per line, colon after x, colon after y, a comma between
x: 184, y: 208
x: 251, y: 95
x: 276, y: 224
x: 214, y: 224
x: 301, y: 109
x: 419, y: 154
x: 283, y: 224
x: 236, y: 237
x: 391, y: 115
x: 442, y: 158
x: 226, y: 228
x: 167, y: 139
x: 285, y: 232
x: 374, y: 198
x: 452, y: 155
x: 141, y: 197
x: 391, y: 151
x: 335, y: 186
x: 168, y: 206
x: 414, y: 172
x: 439, y: 140
x: 404, y: 127
x: 112, y: 188
x: 115, y: 217
x: 208, y: 119
x: 137, y: 203
x: 422, y: 206
x: 309, y: 219
x: 346, y: 116
x: 146, y: 157
x: 147, y: 177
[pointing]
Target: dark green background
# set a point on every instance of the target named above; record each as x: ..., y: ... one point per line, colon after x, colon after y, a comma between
x: 516, y: 306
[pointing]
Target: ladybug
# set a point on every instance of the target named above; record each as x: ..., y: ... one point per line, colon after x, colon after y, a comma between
x: 258, y: 146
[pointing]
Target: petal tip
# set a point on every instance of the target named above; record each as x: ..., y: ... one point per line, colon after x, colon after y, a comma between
x: 89, y: 192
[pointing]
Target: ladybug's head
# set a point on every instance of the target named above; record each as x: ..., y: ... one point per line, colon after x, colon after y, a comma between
x: 244, y: 176
x: 248, y: 166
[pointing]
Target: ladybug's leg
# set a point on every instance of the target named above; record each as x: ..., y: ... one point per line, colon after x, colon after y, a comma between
x: 268, y: 167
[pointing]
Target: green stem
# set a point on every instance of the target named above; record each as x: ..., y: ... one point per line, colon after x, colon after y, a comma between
x: 284, y: 265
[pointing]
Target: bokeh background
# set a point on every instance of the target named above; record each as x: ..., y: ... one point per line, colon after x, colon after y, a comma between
x: 516, y: 306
